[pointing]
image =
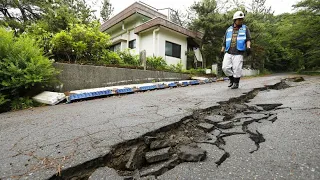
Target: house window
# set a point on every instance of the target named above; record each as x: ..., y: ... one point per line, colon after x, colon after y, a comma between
x: 132, y: 44
x: 173, y: 50
x: 115, y: 47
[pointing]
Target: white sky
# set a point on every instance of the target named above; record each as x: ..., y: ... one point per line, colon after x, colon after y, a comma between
x: 279, y: 6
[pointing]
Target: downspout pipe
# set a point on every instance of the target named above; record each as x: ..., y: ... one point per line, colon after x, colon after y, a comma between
x: 154, y: 41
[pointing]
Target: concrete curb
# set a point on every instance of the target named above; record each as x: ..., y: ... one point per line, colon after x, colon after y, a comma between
x: 133, y: 88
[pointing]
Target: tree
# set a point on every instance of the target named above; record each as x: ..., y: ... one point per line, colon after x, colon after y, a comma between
x: 309, y: 5
x: 175, y: 16
x: 18, y: 14
x: 57, y: 13
x: 306, y: 38
x: 106, y: 10
x: 213, y: 24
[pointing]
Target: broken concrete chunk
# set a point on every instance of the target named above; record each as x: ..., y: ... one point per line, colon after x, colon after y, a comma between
x: 192, y: 154
x: 172, y: 137
x: 272, y: 118
x: 105, y: 173
x: 159, y: 155
x: 206, y: 126
x: 235, y: 130
x: 213, y: 152
x: 187, y: 121
x: 214, y: 118
x: 258, y: 116
x: 135, y: 176
x: 159, y: 168
x: 148, y: 178
x: 225, y: 125
x: 211, y: 138
x: 298, y: 79
x: 249, y: 112
x: 159, y: 144
x: 256, y: 108
x: 239, y: 122
x: 216, y: 132
x: 181, y: 139
x: 134, y: 156
x: 268, y: 107
x: 149, y: 139
x: 240, y: 107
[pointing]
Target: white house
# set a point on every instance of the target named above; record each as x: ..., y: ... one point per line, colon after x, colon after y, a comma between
x: 142, y: 27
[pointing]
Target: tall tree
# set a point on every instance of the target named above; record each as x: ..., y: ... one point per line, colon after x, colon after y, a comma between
x: 306, y: 38
x: 176, y: 16
x: 17, y: 14
x: 213, y: 25
x: 21, y: 13
x: 106, y: 10
x: 309, y: 5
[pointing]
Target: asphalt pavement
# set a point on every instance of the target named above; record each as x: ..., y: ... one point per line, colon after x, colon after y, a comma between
x: 40, y: 142
x: 292, y: 143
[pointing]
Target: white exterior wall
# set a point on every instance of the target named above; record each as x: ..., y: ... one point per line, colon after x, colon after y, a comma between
x: 127, y: 34
x: 146, y: 43
x: 174, y: 37
x: 158, y: 48
x: 133, y: 36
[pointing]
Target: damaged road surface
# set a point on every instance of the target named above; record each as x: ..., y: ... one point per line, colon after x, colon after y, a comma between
x: 268, y: 129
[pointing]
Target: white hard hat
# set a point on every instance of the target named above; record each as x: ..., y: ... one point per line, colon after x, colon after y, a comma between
x: 238, y: 15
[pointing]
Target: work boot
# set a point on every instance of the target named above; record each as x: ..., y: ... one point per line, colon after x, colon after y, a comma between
x: 236, y: 83
x: 235, y: 86
x: 231, y: 81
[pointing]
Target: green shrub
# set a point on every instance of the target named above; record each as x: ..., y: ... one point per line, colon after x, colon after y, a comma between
x: 39, y: 31
x: 84, y: 43
x: 22, y: 66
x: 3, y: 100
x: 128, y: 58
x: 21, y: 103
x: 176, y: 68
x: 62, y: 45
x: 192, y: 71
x: 110, y: 57
x: 154, y: 62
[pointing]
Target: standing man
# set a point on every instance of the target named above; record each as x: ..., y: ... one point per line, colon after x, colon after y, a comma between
x: 236, y: 42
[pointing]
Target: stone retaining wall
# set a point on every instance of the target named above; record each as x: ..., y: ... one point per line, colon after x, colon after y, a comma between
x: 75, y: 77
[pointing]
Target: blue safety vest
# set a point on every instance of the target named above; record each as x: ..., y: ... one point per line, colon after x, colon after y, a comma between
x: 241, y: 39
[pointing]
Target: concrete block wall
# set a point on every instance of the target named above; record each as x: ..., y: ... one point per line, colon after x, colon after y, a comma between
x: 76, y: 77
x: 250, y: 72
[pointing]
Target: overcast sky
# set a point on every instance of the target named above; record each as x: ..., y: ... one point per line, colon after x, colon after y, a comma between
x: 279, y: 6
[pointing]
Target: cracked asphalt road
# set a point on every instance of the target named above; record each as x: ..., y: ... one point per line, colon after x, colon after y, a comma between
x: 40, y: 142
x: 291, y: 149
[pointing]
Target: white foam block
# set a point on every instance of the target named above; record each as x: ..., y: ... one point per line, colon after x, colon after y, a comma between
x: 51, y: 98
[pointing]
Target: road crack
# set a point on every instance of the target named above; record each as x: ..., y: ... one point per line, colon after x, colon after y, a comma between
x: 189, y: 131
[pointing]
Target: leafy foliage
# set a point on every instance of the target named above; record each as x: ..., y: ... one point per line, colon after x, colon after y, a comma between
x: 106, y: 10
x: 156, y: 62
x: 175, y: 68
x: 22, y: 103
x: 56, y: 14
x: 22, y: 66
x: 198, y: 71
x: 84, y: 43
x: 110, y: 57
x: 128, y: 58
